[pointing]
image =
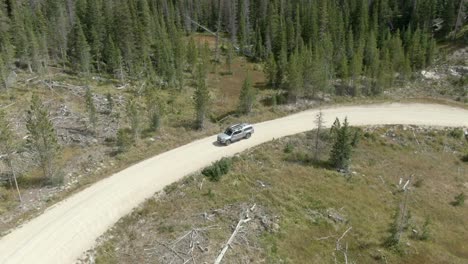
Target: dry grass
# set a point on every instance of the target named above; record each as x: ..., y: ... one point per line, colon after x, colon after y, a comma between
x: 299, y: 194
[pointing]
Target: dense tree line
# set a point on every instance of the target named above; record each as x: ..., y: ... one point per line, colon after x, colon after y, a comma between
x: 304, y: 43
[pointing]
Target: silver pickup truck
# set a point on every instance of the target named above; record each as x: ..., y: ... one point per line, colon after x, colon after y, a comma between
x: 235, y: 133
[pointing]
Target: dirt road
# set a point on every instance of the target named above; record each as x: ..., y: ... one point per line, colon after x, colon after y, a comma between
x: 67, y: 229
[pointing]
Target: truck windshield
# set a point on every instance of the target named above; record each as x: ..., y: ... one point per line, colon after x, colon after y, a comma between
x: 228, y: 132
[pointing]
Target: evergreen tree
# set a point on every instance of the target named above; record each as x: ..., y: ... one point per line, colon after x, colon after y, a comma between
x: 133, y: 116
x: 431, y: 51
x: 229, y: 57
x: 78, y: 49
x: 294, y: 78
x: 282, y: 62
x: 42, y: 139
x: 3, y: 73
x: 340, y: 155
x: 343, y: 71
x: 144, y: 38
x: 201, y: 98
x: 179, y: 59
x: 308, y: 68
x: 259, y: 49
x: 91, y: 109
x: 192, y: 53
x: 247, y: 96
x: 95, y: 32
x: 449, y: 15
x: 271, y: 70
x: 154, y: 109
x: 8, y: 148
x: 355, y: 67
x: 244, y: 32
x: 110, y: 103
x: 319, y: 76
x: 416, y: 50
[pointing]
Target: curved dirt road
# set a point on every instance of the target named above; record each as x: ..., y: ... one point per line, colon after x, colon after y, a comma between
x: 64, y: 231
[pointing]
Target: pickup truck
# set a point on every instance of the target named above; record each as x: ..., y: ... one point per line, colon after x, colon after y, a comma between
x: 235, y: 133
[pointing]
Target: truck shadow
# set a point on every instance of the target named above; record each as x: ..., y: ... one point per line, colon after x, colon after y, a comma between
x: 217, y: 144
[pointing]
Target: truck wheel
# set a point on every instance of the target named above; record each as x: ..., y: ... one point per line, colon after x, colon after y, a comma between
x: 228, y: 142
x: 248, y: 135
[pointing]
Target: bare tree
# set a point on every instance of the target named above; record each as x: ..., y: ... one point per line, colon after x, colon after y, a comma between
x: 233, y: 21
x: 461, y: 15
x: 319, y: 122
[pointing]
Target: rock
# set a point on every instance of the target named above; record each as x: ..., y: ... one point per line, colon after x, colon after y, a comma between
x: 430, y: 75
x: 335, y: 216
x: 275, y: 228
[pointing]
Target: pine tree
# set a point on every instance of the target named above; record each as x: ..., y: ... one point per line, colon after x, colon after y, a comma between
x: 154, y: 109
x: 271, y: 70
x: 320, y: 78
x: 449, y: 15
x: 124, y: 31
x: 179, y: 59
x: 229, y: 57
x: 244, y: 32
x: 111, y: 55
x: 3, y: 73
x: 144, y: 32
x: 41, y: 136
x: 110, y: 103
x: 431, y: 51
x: 282, y: 62
x: 201, y: 98
x: 355, y: 68
x: 308, y: 67
x: 78, y: 49
x: 259, y: 49
x: 133, y: 116
x: 192, y: 53
x: 95, y: 32
x: 8, y: 148
x: 247, y: 96
x: 91, y: 109
x: 343, y: 71
x: 294, y: 78
x: 340, y: 155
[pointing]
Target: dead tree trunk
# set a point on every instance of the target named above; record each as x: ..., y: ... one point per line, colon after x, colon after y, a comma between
x: 460, y: 16
x: 228, y: 243
x: 319, y: 122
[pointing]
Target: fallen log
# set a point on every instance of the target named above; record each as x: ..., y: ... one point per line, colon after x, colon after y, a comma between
x: 228, y: 244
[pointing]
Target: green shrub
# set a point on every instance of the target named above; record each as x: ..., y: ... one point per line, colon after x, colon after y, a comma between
x: 217, y: 169
x: 456, y: 133
x: 124, y: 140
x: 289, y: 148
x: 426, y: 233
x: 459, y: 200
x: 465, y: 158
x: 418, y: 183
